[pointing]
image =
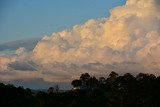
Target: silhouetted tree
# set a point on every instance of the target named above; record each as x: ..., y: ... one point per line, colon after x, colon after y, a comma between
x: 50, y: 90
x: 126, y: 90
x: 56, y: 87
x: 85, y: 79
x: 93, y: 82
x: 76, y: 83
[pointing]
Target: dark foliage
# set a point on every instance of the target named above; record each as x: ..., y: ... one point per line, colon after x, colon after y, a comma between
x: 114, y: 91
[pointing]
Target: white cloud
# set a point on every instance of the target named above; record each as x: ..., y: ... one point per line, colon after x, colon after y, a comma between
x: 127, y: 41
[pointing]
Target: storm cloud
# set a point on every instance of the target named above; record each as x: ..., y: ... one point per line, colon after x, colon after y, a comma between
x: 127, y: 41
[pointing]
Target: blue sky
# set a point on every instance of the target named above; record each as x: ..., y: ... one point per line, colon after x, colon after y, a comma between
x: 22, y: 19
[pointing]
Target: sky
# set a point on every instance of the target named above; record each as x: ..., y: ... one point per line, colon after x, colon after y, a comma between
x: 90, y: 36
x: 22, y: 19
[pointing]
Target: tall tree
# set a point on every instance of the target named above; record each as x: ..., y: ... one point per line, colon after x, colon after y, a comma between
x: 76, y: 83
x: 85, y: 79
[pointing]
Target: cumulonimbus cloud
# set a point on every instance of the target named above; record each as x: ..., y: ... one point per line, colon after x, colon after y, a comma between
x: 127, y: 41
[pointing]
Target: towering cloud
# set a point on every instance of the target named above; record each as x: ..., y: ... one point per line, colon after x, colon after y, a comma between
x: 127, y: 41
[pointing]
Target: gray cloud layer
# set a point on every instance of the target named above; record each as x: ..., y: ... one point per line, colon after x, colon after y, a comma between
x: 14, y: 45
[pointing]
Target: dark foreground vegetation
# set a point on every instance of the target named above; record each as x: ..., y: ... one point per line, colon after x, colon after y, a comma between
x: 114, y: 91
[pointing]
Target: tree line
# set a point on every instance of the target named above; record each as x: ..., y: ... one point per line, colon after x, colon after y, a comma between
x: 127, y: 90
